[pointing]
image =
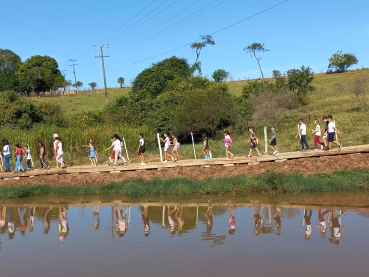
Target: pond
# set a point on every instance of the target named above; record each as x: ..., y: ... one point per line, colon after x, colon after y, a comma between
x: 181, y: 238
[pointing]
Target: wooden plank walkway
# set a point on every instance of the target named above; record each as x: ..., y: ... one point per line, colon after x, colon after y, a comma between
x: 188, y: 163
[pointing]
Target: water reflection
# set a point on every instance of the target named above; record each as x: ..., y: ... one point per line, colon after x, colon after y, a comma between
x: 177, y: 220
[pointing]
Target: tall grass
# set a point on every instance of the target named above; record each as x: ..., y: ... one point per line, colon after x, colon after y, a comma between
x: 270, y: 183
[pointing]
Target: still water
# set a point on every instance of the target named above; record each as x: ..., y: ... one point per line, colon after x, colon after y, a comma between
x: 182, y: 239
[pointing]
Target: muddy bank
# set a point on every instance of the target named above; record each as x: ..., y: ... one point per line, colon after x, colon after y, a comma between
x: 305, y: 166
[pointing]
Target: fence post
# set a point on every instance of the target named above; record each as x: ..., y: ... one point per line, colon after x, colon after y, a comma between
x: 265, y: 140
x: 159, y: 145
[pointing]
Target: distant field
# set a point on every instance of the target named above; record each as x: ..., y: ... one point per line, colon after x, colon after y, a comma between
x: 84, y: 102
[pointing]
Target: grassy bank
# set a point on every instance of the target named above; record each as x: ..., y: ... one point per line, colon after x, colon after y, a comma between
x: 268, y: 184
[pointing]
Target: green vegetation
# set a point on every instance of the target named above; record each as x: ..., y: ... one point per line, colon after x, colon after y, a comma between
x: 270, y: 184
x: 341, y: 62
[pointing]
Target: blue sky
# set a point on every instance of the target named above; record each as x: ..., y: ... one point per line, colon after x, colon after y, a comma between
x: 297, y: 32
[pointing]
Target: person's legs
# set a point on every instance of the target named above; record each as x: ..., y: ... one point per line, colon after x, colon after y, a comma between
x: 316, y: 140
x: 116, y: 155
x: 7, y: 163
x: 304, y: 142
x: 18, y: 164
x: 121, y: 156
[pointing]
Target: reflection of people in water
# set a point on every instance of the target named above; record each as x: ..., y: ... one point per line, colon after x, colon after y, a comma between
x: 171, y: 221
x: 277, y: 218
x: 146, y: 221
x: 22, y: 218
x: 63, y: 223
x: 121, y: 220
x: 336, y: 227
x: 47, y: 220
x: 209, y: 217
x: 258, y: 221
x: 232, y: 221
x: 96, y: 216
x: 322, y: 225
x: 307, y: 226
x: 2, y: 220
x: 11, y: 227
x: 179, y: 220
x: 31, y: 219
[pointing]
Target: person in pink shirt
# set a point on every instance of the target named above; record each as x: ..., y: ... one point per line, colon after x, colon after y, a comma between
x: 228, y: 143
x: 18, y: 163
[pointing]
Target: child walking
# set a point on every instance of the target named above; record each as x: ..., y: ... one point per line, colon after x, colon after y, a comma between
x: 253, y: 143
x: 317, y: 135
x: 332, y: 133
x: 167, y: 144
x: 228, y: 143
x: 141, y: 148
x: 18, y: 163
x: 205, y: 148
x: 325, y: 135
x: 27, y: 155
x: 273, y: 142
x: 42, y: 155
x: 91, y: 145
x: 302, y: 134
x: 59, y: 153
x: 175, y: 152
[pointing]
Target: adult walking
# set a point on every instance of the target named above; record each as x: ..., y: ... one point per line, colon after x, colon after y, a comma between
x: 7, y: 154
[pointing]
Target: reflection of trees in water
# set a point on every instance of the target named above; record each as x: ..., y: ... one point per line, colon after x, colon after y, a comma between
x: 364, y: 214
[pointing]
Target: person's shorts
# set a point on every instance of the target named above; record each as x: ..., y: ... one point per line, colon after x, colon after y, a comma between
x: 175, y: 148
x: 273, y: 142
x: 253, y: 145
x: 325, y: 135
x: 166, y: 148
x: 331, y: 136
x: 141, y: 150
x: 206, y: 146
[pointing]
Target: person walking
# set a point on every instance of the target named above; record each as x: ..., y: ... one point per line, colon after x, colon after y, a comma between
x: 273, y: 142
x: 302, y: 134
x: 228, y: 143
x: 317, y: 133
x: 332, y: 130
x: 167, y: 144
x: 42, y: 155
x: 28, y: 157
x: 18, y: 153
x: 141, y: 148
x: 59, y: 153
x: 205, y: 148
x: 253, y: 143
x: 7, y: 154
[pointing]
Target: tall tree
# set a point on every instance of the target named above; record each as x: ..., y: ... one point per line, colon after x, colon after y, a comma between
x: 197, y: 46
x: 341, y: 62
x: 120, y: 81
x: 253, y: 49
x: 9, y: 60
x: 93, y: 85
x: 77, y: 84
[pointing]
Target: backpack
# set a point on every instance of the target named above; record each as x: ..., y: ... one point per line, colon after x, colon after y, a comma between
x: 256, y: 139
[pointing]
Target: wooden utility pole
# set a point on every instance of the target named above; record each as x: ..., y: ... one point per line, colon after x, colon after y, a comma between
x: 74, y: 72
x: 103, y: 69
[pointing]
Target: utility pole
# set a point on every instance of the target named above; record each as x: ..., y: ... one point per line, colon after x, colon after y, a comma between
x: 64, y: 73
x: 74, y: 71
x: 103, y: 69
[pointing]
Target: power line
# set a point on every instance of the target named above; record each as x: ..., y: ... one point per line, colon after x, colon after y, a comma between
x: 114, y: 38
x: 220, y: 30
x: 103, y: 69
x: 170, y: 28
x: 89, y: 49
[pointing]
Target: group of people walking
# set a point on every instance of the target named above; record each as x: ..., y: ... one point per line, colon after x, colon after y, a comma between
x: 329, y: 138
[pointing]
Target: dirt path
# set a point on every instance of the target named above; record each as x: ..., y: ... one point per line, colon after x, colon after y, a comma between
x: 305, y: 166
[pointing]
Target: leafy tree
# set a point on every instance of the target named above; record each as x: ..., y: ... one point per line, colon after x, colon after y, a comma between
x: 37, y: 79
x: 9, y: 60
x: 253, y: 49
x: 341, y: 62
x: 77, y: 84
x: 39, y: 61
x: 93, y: 85
x: 220, y: 75
x: 8, y: 80
x: 299, y: 81
x: 280, y: 81
x: 152, y: 81
x: 276, y: 74
x: 197, y: 46
x: 120, y: 81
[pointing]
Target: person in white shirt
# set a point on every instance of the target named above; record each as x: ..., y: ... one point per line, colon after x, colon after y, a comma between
x: 307, y: 227
x: 7, y: 153
x: 167, y: 144
x: 28, y: 157
x: 332, y: 133
x: 59, y: 153
x: 141, y: 148
x: 302, y: 134
x: 317, y: 135
x: 117, y: 148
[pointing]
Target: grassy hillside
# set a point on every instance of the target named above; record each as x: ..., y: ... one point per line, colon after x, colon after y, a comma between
x: 327, y: 99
